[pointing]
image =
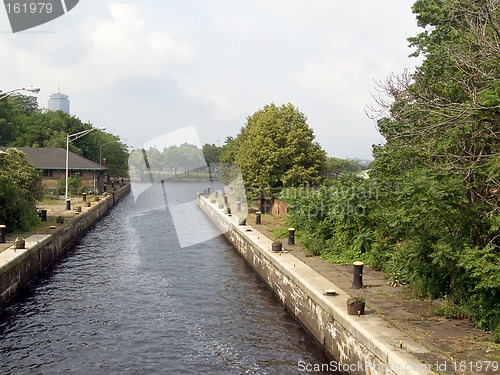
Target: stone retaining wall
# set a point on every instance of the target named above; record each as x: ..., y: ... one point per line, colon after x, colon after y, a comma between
x: 359, y: 345
x: 20, y: 267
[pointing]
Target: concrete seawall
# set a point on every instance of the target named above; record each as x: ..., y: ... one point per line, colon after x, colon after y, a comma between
x: 19, y: 267
x: 359, y: 344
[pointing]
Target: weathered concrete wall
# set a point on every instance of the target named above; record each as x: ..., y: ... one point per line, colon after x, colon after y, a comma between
x: 19, y: 267
x: 360, y: 345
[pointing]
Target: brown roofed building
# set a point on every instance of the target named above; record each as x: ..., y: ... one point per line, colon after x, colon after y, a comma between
x: 52, y: 163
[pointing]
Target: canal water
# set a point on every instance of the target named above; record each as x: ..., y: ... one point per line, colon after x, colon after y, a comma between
x: 128, y: 299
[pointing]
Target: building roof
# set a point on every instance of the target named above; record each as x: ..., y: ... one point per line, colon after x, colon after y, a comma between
x: 55, y: 159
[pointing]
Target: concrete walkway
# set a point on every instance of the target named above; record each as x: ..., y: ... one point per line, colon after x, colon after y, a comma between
x: 54, y: 209
x: 454, y: 346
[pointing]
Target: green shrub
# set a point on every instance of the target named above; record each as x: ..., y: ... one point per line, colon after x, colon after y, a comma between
x: 20, y: 188
x: 75, y: 185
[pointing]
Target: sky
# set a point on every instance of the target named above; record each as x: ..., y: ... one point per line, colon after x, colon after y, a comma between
x: 145, y: 68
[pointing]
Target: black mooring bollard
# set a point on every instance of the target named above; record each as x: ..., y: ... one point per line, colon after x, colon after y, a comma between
x: 84, y: 197
x: 357, y: 282
x: 258, y: 216
x: 208, y: 190
x: 3, y: 228
x: 291, y: 236
x: 44, y: 215
x: 228, y: 210
x: 68, y: 204
x: 104, y: 188
x: 226, y: 199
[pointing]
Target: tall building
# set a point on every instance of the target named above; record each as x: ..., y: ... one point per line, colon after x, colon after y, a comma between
x: 59, y: 102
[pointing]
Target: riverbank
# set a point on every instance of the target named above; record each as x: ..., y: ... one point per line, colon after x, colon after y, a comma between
x: 18, y: 267
x: 361, y: 344
x: 394, y: 325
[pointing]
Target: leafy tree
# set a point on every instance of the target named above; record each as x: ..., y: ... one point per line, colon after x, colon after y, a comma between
x: 228, y: 150
x: 333, y: 221
x: 172, y: 158
x: 111, y: 148
x: 20, y: 189
x: 11, y: 108
x: 22, y: 124
x: 335, y: 167
x: 438, y: 172
x: 276, y: 149
x: 190, y: 157
x: 212, y: 155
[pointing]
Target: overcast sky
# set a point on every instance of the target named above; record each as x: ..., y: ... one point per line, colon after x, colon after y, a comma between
x: 146, y: 68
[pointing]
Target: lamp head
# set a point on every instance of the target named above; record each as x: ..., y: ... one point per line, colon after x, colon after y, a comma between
x: 34, y: 90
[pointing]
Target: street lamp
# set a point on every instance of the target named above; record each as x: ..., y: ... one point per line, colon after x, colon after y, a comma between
x: 71, y: 138
x: 34, y: 90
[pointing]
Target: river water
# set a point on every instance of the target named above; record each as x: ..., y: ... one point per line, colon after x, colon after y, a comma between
x: 128, y: 299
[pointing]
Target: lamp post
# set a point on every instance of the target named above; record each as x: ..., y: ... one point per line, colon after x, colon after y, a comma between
x: 34, y: 90
x: 71, y: 138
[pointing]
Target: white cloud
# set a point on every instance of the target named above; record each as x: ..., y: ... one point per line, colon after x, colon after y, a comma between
x: 143, y: 68
x: 329, y: 77
x: 123, y: 46
x: 232, y: 23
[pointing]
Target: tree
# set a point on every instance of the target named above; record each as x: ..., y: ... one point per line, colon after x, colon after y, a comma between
x: 438, y: 173
x: 20, y: 189
x: 190, y: 157
x: 276, y: 149
x: 335, y: 167
x: 12, y: 108
x: 171, y: 158
x: 108, y: 146
x: 22, y: 124
x: 212, y: 155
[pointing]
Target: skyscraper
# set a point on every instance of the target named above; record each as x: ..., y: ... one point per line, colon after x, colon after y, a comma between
x: 59, y: 102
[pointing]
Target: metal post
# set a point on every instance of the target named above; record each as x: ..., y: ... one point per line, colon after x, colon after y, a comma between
x: 3, y: 228
x: 357, y: 282
x: 291, y: 236
x: 258, y: 216
x: 67, y: 165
